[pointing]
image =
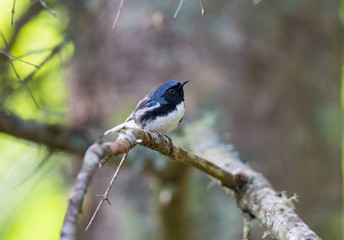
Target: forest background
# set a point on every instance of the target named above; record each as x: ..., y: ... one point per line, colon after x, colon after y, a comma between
x: 270, y: 76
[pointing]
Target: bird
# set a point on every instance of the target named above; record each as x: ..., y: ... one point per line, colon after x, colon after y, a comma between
x: 161, y: 110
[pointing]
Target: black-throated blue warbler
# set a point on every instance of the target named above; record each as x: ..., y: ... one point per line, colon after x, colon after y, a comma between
x: 161, y: 110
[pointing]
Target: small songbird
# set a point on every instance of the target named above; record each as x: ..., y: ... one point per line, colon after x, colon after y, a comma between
x: 161, y: 110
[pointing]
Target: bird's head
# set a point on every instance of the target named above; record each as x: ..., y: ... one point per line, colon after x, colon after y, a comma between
x: 170, y: 92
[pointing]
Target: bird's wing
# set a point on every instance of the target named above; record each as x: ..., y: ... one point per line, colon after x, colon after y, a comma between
x: 145, y: 105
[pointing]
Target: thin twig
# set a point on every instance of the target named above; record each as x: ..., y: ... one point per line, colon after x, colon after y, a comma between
x: 13, y: 7
x: 55, y: 50
x: 32, y: 52
x: 202, y: 7
x: 16, y: 73
x: 25, y: 85
x: 178, y: 8
x: 4, y: 40
x: 118, y: 13
x: 26, y: 80
x: 106, y: 194
x: 45, y: 6
x: 10, y: 56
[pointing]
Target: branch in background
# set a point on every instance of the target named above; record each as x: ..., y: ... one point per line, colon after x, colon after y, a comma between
x: 202, y: 7
x: 56, y: 137
x: 118, y: 13
x: 178, y: 8
x: 10, y: 56
x: 25, y: 85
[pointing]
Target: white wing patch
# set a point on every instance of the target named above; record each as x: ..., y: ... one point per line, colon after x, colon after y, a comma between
x: 146, y: 109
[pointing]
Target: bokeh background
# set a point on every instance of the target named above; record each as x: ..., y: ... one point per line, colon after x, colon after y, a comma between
x: 270, y: 74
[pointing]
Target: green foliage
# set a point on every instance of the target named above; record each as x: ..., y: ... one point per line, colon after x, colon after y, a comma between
x: 33, y: 44
x: 32, y: 202
x: 33, y: 198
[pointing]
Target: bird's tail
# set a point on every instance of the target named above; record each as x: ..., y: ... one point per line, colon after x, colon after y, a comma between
x: 115, y: 129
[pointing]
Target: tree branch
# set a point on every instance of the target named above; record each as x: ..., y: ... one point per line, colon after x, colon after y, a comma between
x: 56, y: 137
x: 91, y: 160
x: 252, y: 191
x: 257, y: 197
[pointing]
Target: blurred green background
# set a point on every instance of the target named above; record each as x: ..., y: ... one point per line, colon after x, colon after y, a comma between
x: 270, y: 73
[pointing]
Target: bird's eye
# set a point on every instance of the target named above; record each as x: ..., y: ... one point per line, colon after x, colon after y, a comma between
x: 172, y: 90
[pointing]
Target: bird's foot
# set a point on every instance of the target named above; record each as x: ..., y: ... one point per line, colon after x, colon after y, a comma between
x: 170, y: 142
x: 168, y: 139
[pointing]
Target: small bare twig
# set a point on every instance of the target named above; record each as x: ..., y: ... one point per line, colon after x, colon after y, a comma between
x: 12, y: 15
x: 178, y: 8
x: 16, y: 73
x: 202, y: 7
x: 4, y: 40
x: 45, y: 6
x: 32, y: 52
x: 25, y: 85
x: 26, y: 80
x: 118, y: 13
x: 10, y: 56
x: 105, y: 196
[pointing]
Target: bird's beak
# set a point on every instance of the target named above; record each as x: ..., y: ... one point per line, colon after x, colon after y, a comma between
x: 183, y: 83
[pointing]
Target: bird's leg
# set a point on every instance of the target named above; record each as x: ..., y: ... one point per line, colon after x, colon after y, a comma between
x: 170, y: 142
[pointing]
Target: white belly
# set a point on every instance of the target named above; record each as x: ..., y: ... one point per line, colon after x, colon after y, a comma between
x: 167, y: 123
